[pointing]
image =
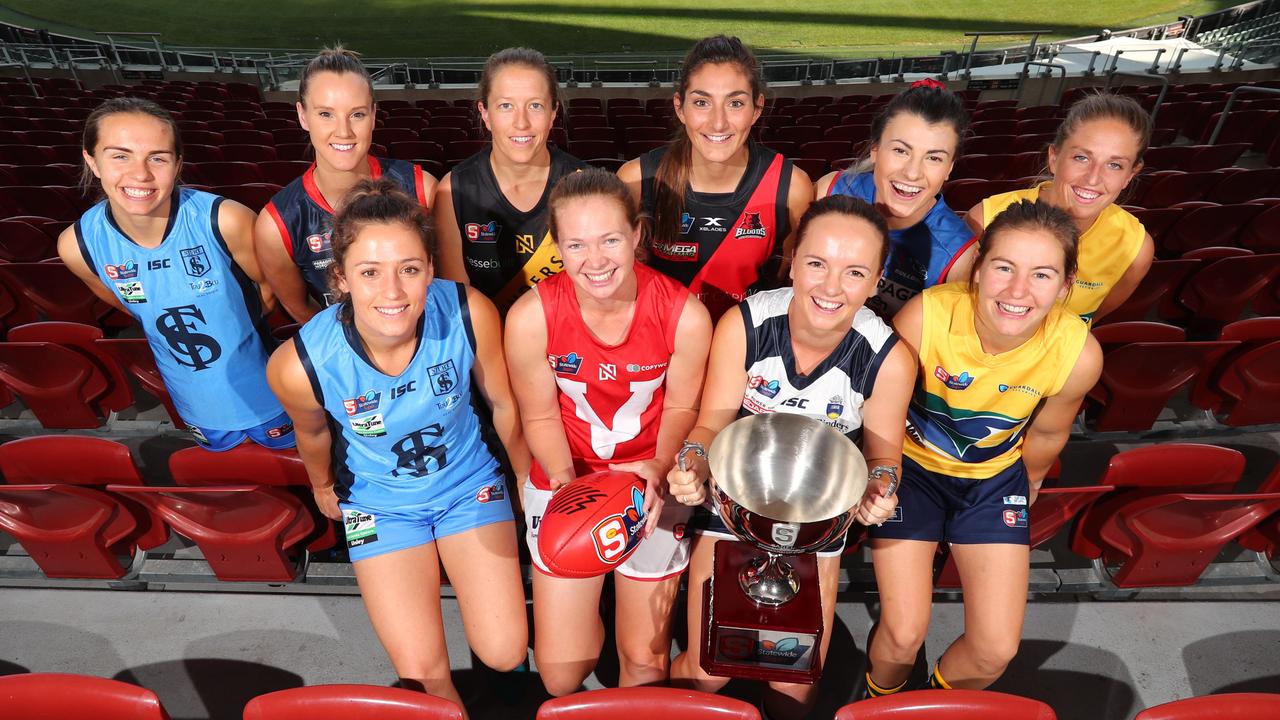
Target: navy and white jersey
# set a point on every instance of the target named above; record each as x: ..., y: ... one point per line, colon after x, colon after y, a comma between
x: 305, y: 219
x: 399, y: 441
x: 835, y: 390
x: 201, y: 314
x: 919, y: 256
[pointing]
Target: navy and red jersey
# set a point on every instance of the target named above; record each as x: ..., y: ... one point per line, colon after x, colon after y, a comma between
x: 305, y: 219
x: 611, y: 396
x: 725, y: 238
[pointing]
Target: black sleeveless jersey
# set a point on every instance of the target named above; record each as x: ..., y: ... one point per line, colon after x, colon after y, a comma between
x: 506, y: 251
x: 725, y: 238
x: 304, y: 219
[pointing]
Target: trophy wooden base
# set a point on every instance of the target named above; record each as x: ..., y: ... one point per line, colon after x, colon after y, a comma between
x: 744, y: 639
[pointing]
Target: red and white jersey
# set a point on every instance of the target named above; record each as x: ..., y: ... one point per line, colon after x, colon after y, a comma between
x: 610, y: 395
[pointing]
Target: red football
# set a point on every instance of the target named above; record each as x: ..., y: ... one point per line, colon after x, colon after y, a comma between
x: 592, y: 524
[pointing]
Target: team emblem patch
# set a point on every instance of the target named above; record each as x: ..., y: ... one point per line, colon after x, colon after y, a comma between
x: 750, y: 226
x: 835, y: 407
x: 443, y: 377
x: 195, y: 261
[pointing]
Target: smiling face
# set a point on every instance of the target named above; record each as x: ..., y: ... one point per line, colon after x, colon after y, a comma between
x: 836, y: 268
x: 339, y: 114
x: 1018, y: 282
x: 718, y: 110
x: 386, y: 270
x: 136, y: 161
x: 1092, y: 167
x: 519, y: 112
x: 597, y: 245
x: 911, y: 162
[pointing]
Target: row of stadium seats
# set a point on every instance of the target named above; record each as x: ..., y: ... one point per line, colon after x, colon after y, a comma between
x: 78, y: 505
x: 54, y: 696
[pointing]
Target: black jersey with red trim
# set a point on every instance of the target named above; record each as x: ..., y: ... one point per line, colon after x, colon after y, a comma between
x: 498, y: 239
x: 725, y: 238
x: 305, y: 219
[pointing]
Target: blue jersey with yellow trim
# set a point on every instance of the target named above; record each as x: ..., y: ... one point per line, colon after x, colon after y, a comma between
x: 403, y: 440
x: 201, y: 314
x: 970, y: 408
x: 919, y: 256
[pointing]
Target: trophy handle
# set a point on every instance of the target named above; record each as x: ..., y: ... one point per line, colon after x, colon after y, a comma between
x: 769, y: 580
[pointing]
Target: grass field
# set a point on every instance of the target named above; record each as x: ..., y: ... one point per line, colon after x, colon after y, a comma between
x: 435, y: 28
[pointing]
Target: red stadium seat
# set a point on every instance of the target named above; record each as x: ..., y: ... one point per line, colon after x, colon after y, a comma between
x: 195, y: 467
x: 1215, y: 157
x: 798, y: 134
x: 14, y: 311
x: 62, y: 387
x: 1262, y: 235
x: 948, y: 705
x: 442, y: 136
x: 597, y: 134
x: 593, y: 149
x: 1246, y: 186
x: 1177, y: 187
x: 825, y: 150
x: 1225, y: 706
x: 1212, y: 226
x: 984, y: 145
x: 69, y: 531
x: 343, y: 702
x: 202, y: 137
x: 23, y: 242
x: 995, y: 113
x: 52, y: 201
x: 282, y: 172
x: 54, y: 696
x: 1139, y: 378
x: 1154, y: 470
x: 636, y: 148
x: 1253, y: 127
x: 1218, y: 293
x: 848, y: 133
x: 416, y: 150
x: 664, y: 701
x: 1169, y: 539
x: 459, y: 151
x: 994, y: 127
x: 1156, y: 290
x: 247, y: 532
x: 295, y: 151
x: 202, y: 153
x: 54, y: 291
x: 1170, y: 157
x: 227, y: 173
x: 1037, y: 126
x: 133, y: 355
x: 248, y: 153
x: 254, y: 196
x: 82, y: 338
x: 1246, y: 383
x: 965, y: 193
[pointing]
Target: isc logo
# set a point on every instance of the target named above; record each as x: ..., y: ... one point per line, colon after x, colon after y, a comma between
x: 401, y: 390
x: 160, y: 264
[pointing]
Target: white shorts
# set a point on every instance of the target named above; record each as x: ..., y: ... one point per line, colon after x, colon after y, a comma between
x: 662, y: 555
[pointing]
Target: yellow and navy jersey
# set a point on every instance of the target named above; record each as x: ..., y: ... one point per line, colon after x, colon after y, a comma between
x: 970, y: 408
x: 1107, y: 249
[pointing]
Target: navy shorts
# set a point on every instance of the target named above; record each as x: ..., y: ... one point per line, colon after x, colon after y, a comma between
x: 274, y: 434
x: 942, y: 508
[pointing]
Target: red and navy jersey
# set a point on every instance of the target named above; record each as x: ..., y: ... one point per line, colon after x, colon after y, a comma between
x: 611, y: 396
x: 725, y: 238
x: 305, y: 219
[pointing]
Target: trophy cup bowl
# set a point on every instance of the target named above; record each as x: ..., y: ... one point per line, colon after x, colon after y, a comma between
x: 787, y: 484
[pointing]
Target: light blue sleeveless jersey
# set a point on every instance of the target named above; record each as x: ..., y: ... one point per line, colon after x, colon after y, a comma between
x: 201, y: 314
x: 406, y: 440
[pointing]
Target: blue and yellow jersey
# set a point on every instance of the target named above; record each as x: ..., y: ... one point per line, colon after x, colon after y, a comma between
x: 1107, y: 249
x: 970, y: 408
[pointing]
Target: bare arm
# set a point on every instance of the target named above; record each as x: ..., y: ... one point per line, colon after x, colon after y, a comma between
x: 278, y: 269
x: 450, y: 265
x: 884, y: 418
x: 1128, y: 282
x: 236, y: 223
x: 535, y: 389
x: 490, y: 373
x: 291, y: 386
x: 69, y: 251
x: 823, y: 186
x: 799, y: 197
x: 1051, y: 426
x: 426, y: 187
x: 721, y: 399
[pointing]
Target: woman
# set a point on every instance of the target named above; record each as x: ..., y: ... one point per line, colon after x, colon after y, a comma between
x: 182, y: 263
x: 810, y: 349
x: 497, y: 198
x: 379, y: 386
x: 336, y: 106
x: 607, y: 359
x: 722, y: 204
x: 1094, y: 156
x: 1003, y: 368
x: 915, y: 141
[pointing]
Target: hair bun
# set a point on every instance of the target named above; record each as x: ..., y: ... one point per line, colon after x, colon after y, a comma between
x: 929, y: 83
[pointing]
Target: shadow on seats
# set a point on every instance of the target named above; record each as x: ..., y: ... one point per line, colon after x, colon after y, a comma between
x: 1034, y: 674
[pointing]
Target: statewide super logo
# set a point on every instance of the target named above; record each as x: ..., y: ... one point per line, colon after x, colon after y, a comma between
x: 318, y: 242
x: 617, y: 534
x: 367, y: 402
x: 748, y: 648
x: 568, y: 364
x: 1015, y: 518
x: 491, y: 493
x: 483, y: 232
x: 369, y: 426
x: 767, y: 388
x: 121, y: 272
x: 750, y: 226
x: 955, y: 382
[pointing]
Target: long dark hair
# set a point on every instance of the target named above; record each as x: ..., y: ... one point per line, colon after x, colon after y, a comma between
x: 374, y: 202
x: 671, y: 181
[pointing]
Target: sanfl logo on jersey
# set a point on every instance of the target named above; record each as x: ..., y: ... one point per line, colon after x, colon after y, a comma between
x: 567, y: 364
x: 955, y: 382
x: 363, y: 404
x: 125, y: 271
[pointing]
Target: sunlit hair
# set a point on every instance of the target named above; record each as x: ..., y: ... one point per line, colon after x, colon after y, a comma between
x: 931, y: 102
x: 1106, y: 106
x: 119, y: 106
x: 591, y: 182
x: 519, y: 57
x: 850, y: 207
x: 1034, y: 216
x: 374, y: 202
x: 338, y: 60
